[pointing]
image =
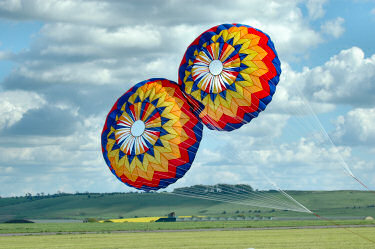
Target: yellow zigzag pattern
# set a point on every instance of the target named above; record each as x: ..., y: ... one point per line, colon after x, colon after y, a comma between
x: 176, y: 136
x: 251, y: 84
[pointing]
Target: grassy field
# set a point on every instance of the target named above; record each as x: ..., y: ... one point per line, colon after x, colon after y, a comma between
x: 128, y: 205
x: 332, y: 238
x: 152, y: 226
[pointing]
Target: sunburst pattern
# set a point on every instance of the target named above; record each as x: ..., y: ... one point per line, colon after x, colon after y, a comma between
x: 246, y: 83
x: 164, y: 149
x: 131, y: 144
x: 226, y: 57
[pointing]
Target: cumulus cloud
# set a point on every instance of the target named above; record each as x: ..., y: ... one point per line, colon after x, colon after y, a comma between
x: 346, y: 78
x: 312, y: 163
x: 356, y: 127
x: 4, y: 55
x: 334, y: 27
x: 315, y: 8
x: 15, y: 104
x: 107, y: 39
x: 115, y: 22
x: 94, y: 72
x: 6, y: 170
x: 49, y: 164
x: 290, y: 98
x: 80, y: 11
x: 105, y: 45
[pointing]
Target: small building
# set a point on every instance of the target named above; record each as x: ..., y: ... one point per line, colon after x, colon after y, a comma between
x: 171, y: 218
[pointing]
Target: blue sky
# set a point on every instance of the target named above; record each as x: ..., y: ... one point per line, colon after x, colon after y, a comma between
x: 64, y: 63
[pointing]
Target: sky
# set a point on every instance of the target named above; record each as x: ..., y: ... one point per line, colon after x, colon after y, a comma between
x: 63, y: 64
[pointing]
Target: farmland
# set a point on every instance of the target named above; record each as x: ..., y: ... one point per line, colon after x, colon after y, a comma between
x: 156, y: 226
x: 339, y: 206
x: 260, y: 239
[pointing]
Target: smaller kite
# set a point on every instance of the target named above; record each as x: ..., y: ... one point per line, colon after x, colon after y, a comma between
x: 229, y: 74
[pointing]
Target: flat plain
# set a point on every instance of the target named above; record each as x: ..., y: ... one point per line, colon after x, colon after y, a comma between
x: 328, y: 238
x: 155, y: 226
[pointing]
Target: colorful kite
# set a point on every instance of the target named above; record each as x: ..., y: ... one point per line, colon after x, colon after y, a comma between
x: 151, y: 135
x: 226, y: 78
x: 229, y: 73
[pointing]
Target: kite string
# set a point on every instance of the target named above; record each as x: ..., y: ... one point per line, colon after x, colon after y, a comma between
x: 214, y: 121
x: 284, y: 193
x: 265, y: 197
x: 234, y: 194
x: 265, y: 204
x: 346, y: 228
x: 323, y: 130
x: 226, y: 200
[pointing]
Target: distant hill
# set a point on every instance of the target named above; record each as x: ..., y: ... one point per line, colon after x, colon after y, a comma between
x: 223, y: 189
x: 118, y: 205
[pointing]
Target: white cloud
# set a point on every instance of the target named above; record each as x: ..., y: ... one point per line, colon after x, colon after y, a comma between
x: 70, y: 10
x: 312, y: 163
x: 10, y: 5
x: 356, y: 127
x: 68, y: 163
x: 94, y: 72
x: 303, y: 152
x: 108, y: 52
x: 346, y: 78
x: 289, y: 97
x: 98, y: 38
x: 6, y: 170
x: 291, y: 38
x: 4, y: 55
x: 127, y: 71
x: 108, y: 25
x: 315, y: 8
x: 14, y: 104
x: 334, y: 27
x: 268, y: 125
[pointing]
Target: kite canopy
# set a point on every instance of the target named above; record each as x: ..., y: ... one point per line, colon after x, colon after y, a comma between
x: 151, y: 136
x: 229, y: 73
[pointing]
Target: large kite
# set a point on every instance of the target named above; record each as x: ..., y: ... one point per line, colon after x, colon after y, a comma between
x: 150, y: 136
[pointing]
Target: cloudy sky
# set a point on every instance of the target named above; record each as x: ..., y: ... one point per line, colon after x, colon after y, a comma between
x: 63, y: 64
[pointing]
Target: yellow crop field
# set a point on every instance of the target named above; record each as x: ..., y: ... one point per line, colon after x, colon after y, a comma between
x: 140, y: 219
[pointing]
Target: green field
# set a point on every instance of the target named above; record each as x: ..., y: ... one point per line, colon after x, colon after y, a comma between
x: 332, y: 238
x: 116, y: 205
x: 152, y: 226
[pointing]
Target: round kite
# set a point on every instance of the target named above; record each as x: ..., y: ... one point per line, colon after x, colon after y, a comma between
x: 151, y: 136
x: 229, y: 74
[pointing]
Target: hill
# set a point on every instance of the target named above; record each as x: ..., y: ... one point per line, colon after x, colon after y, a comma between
x: 118, y: 205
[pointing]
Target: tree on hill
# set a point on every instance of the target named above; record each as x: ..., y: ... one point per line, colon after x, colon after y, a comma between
x: 222, y: 189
